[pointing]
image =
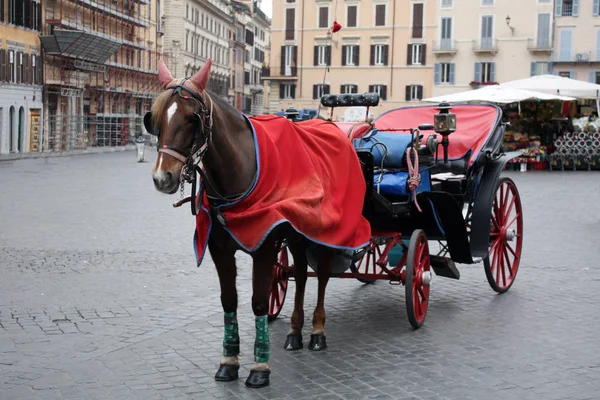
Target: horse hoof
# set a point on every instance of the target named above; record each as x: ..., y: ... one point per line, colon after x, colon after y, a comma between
x: 227, y: 373
x: 258, y: 379
x: 293, y: 342
x: 317, y: 342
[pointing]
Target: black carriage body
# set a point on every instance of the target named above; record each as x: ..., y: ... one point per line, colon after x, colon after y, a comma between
x: 442, y: 207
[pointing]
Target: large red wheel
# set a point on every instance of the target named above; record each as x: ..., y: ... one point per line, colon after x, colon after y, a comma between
x: 506, y: 237
x: 368, y: 263
x: 417, y: 278
x: 279, y: 284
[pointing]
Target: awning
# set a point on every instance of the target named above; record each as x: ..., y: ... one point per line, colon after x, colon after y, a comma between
x: 78, y: 44
x: 496, y: 94
x: 558, y: 85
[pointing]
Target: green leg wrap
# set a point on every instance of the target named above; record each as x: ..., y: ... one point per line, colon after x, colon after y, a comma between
x: 231, y: 340
x: 262, y: 345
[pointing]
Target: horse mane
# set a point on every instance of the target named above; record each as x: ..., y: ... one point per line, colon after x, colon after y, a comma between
x: 159, y: 106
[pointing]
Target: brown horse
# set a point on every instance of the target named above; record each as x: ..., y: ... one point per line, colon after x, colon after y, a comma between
x: 195, y: 125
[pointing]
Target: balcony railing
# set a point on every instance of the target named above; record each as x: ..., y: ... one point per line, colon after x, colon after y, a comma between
x: 539, y: 45
x: 444, y: 46
x: 485, y: 45
x: 582, y: 57
x: 567, y: 9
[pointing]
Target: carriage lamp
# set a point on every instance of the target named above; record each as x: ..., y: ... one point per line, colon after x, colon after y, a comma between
x: 444, y: 123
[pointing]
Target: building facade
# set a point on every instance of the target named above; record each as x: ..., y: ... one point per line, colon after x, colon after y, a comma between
x: 577, y: 46
x: 196, y: 30
x: 21, y: 107
x: 100, y: 70
x: 384, y: 47
x: 482, y: 42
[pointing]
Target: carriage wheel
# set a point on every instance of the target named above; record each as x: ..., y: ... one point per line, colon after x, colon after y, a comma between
x: 506, y: 237
x: 368, y: 263
x: 417, y: 278
x: 279, y: 284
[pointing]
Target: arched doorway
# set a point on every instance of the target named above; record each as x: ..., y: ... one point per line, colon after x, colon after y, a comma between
x: 21, y: 129
x: 11, y: 129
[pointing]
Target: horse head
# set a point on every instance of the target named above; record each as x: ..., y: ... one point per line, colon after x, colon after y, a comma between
x: 181, y: 119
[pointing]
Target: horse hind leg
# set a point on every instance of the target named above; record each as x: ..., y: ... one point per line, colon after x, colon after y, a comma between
x: 224, y: 260
x: 297, y: 247
x: 262, y: 274
x: 317, y: 337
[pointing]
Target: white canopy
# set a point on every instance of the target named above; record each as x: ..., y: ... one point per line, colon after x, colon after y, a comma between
x: 554, y: 84
x: 497, y: 94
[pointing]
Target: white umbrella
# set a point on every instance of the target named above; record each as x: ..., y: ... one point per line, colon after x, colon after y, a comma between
x: 496, y: 94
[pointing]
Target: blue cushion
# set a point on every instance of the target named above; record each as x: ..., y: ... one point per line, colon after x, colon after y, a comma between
x: 394, y: 183
x: 391, y: 147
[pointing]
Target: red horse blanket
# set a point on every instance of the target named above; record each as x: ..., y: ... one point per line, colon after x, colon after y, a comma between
x: 309, y: 175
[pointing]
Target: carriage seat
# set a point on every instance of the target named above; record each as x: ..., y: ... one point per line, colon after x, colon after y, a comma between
x: 388, y: 148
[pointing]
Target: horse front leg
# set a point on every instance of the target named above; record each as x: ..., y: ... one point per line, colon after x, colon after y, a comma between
x: 224, y: 260
x: 317, y: 337
x: 262, y: 274
x: 293, y: 340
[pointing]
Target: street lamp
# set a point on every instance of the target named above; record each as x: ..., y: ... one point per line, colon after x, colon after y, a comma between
x: 445, y: 123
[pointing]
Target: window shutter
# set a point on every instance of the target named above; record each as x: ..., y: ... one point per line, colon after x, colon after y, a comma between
x: 384, y: 92
x: 26, y: 13
x: 477, y: 77
x: 572, y: 74
x: 27, y: 77
x: 2, y: 65
x: 351, y: 16
x: 493, y: 72
x: 409, y: 55
x: 407, y: 93
x: 294, y: 60
x: 575, y: 8
x: 316, y: 56
x: 452, y: 74
x: 598, y: 45
x: 558, y: 8
x: 596, y: 4
x: 282, y: 64
x: 372, y: 54
x: 385, y: 54
x: 533, y: 68
x: 593, y: 76
x: 315, y: 91
x: 290, y: 22
x: 344, y: 48
x: 342, y: 88
x: 39, y: 17
x: 354, y: 88
x: 371, y: 88
x: 281, y: 90
x: 420, y: 92
x: 326, y: 89
x: 40, y: 69
x: 356, y: 55
x: 323, y: 17
x: 293, y: 91
x: 417, y: 28
x: 550, y: 68
x: 18, y: 61
x: 437, y: 72
x: 328, y: 54
x: 423, y: 54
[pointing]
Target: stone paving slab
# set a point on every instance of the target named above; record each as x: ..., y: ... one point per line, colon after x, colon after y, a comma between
x: 100, y: 299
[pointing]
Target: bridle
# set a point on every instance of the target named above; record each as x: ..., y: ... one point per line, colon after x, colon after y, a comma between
x: 193, y: 157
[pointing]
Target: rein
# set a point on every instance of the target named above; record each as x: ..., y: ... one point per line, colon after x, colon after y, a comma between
x: 193, y: 157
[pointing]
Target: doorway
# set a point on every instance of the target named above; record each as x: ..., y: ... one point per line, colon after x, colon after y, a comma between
x: 20, y: 130
x: 11, y: 129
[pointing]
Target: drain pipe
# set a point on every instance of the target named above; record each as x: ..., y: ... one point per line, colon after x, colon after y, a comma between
x: 301, y: 69
x: 392, y: 50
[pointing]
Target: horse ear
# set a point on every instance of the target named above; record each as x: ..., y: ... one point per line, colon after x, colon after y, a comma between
x: 164, y: 75
x: 149, y: 125
x: 200, y: 78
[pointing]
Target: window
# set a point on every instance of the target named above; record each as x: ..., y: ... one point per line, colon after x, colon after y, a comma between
x: 34, y: 70
x: 380, y: 14
x: 290, y: 20
x: 541, y: 68
x: 11, y: 66
x: 20, y: 68
x: 414, y: 92
x: 322, y: 55
x: 3, y: 65
x: 323, y: 17
x: 1, y: 15
x: 351, y: 13
x: 543, y: 31
x: 417, y: 22
x: 379, y: 54
x: 287, y: 91
x: 446, y: 3
x: 487, y: 2
x: 487, y: 25
x: 381, y: 90
x: 567, y: 74
x: 566, y: 39
x: 416, y: 54
x: 320, y: 91
x: 187, y: 11
x: 187, y: 39
x: 349, y: 89
x: 446, y: 34
x: 246, y: 77
x: 158, y: 26
x: 443, y: 73
x: 595, y: 77
x: 350, y: 55
x: 567, y: 8
x: 485, y: 72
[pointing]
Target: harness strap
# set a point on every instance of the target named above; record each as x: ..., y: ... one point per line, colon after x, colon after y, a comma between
x: 174, y: 154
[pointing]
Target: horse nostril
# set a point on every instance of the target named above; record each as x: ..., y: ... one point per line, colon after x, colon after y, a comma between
x: 169, y: 175
x: 155, y: 181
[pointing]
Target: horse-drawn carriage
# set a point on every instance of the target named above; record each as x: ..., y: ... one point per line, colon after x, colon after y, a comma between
x: 432, y: 174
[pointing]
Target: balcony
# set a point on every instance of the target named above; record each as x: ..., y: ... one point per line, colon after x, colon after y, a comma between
x: 541, y: 45
x: 444, y: 46
x: 279, y: 72
x: 485, y: 45
x: 575, y: 58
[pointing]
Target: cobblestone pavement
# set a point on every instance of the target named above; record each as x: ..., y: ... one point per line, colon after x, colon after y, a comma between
x: 100, y: 299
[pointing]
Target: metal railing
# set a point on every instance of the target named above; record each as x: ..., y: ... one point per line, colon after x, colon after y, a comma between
x: 444, y: 45
x: 485, y: 44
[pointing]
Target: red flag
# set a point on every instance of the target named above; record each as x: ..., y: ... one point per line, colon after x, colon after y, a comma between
x: 336, y: 27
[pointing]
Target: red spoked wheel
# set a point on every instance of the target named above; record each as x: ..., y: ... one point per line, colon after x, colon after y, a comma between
x: 368, y: 263
x: 279, y: 284
x: 506, y: 237
x: 417, y: 278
